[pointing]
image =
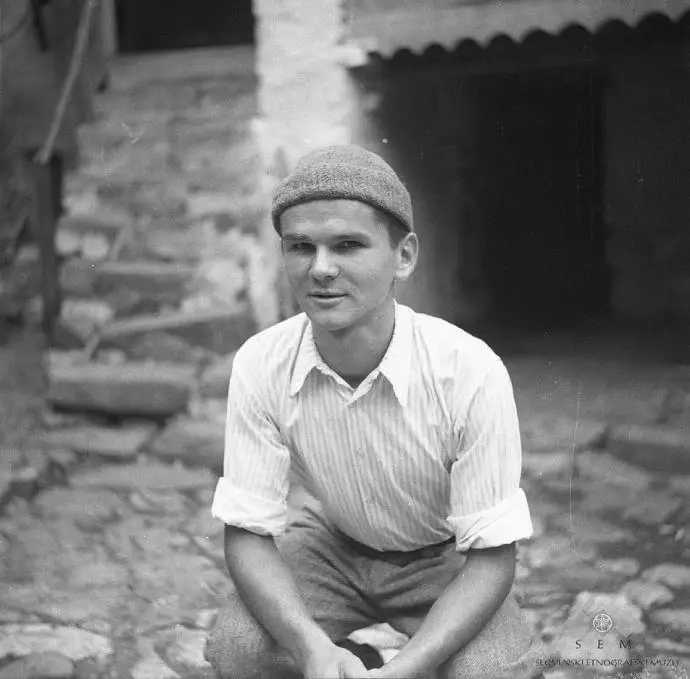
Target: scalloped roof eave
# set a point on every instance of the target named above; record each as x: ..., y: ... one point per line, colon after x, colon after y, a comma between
x: 417, y: 28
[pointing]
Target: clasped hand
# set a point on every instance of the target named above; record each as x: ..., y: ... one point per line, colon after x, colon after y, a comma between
x: 339, y: 663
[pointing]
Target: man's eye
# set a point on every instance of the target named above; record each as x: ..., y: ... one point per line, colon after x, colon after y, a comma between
x: 349, y: 244
x: 299, y: 247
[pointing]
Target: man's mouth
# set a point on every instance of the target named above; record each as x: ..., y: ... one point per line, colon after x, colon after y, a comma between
x: 326, y: 295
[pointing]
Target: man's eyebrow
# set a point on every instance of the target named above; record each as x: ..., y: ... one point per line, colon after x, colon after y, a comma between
x: 345, y: 235
x: 295, y: 236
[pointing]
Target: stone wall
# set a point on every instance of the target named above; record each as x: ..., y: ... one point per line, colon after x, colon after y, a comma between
x: 163, y: 270
x: 647, y: 177
x: 306, y: 97
x: 172, y: 155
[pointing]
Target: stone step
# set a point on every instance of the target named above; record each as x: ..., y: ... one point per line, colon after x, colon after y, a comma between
x: 155, y: 390
x: 227, y: 64
x: 107, y: 442
x: 220, y: 331
x: 184, y: 100
x: 166, y: 282
x: 216, y: 378
x: 109, y: 224
x: 94, y: 237
x: 193, y: 442
x: 150, y: 475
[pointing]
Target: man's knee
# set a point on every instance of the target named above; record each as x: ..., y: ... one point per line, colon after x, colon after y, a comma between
x: 240, y: 648
x: 504, y: 649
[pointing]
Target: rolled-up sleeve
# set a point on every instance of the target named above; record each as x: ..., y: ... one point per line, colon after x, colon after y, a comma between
x: 252, y: 493
x: 487, y: 506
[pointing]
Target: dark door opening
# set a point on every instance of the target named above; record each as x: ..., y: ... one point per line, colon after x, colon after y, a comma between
x: 540, y: 172
x: 162, y: 25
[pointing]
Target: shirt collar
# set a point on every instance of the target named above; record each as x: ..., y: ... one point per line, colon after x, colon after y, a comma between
x: 394, y: 366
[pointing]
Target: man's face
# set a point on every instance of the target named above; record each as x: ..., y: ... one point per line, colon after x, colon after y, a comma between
x: 340, y: 263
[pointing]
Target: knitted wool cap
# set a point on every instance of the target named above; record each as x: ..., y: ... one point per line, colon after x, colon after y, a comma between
x: 348, y: 172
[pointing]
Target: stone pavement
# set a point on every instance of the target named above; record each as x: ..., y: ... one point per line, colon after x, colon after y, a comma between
x: 112, y: 565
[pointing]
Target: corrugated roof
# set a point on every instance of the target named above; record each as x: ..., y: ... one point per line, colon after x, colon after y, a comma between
x: 385, y: 27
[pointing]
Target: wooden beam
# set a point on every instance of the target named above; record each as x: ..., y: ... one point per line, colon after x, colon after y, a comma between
x: 109, y: 28
x: 47, y: 206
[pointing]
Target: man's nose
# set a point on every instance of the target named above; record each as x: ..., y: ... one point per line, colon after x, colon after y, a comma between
x: 323, y: 265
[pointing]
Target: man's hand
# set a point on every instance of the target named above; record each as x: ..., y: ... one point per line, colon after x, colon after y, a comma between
x: 335, y: 663
x: 390, y: 671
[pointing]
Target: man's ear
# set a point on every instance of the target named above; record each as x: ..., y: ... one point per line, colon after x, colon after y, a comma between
x: 408, y: 252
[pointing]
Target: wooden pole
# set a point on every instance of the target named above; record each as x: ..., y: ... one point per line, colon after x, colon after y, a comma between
x: 75, y: 67
x: 47, y: 172
x: 46, y: 207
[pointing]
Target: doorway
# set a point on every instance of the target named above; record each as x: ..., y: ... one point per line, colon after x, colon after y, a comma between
x: 540, y: 195
x: 164, y: 25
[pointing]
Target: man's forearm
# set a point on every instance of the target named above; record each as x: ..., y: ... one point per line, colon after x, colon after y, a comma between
x: 270, y: 593
x: 459, y: 614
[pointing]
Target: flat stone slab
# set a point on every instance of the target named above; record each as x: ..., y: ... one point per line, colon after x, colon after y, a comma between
x: 547, y: 433
x: 149, y: 389
x: 625, y: 566
x: 674, y: 575
x: 604, y: 467
x: 114, y: 442
x: 647, y: 595
x: 78, y: 278
x: 75, y: 644
x: 578, y: 627
x: 673, y: 619
x: 81, y: 505
x: 165, y: 347
x: 145, y: 276
x: 151, y: 475
x: 184, y: 653
x: 221, y: 331
x: 652, y: 510
x: 576, y: 576
x: 655, y: 447
x: 159, y: 502
x: 151, y: 666
x: 159, y: 283
x: 669, y: 646
x: 591, y: 529
x: 627, y: 618
x: 602, y: 497
x: 39, y: 666
x: 194, y: 442
x: 680, y: 485
x: 380, y: 636
x: 556, y: 551
x: 216, y: 378
x: 548, y: 465
x: 101, y: 222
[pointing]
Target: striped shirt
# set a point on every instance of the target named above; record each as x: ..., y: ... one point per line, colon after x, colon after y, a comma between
x: 427, y: 447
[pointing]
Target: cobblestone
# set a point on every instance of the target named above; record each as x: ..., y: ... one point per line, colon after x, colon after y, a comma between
x: 675, y: 576
x: 24, y: 640
x: 149, y: 475
x: 647, y: 594
x: 39, y: 666
x: 672, y: 619
x: 120, y: 568
x: 156, y: 390
x: 194, y: 442
x: 656, y: 447
x: 122, y: 442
